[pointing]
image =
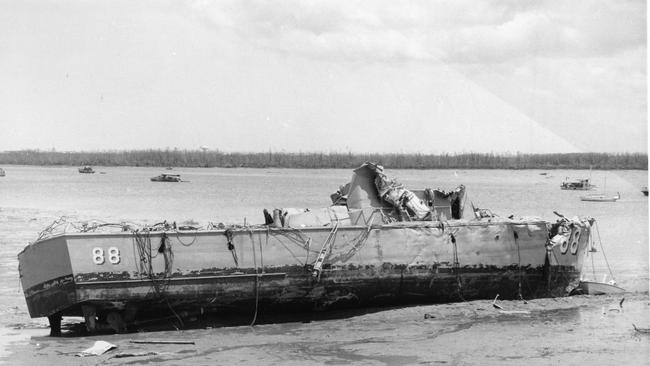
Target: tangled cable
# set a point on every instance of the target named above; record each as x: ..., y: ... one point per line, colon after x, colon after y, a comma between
x: 142, y: 240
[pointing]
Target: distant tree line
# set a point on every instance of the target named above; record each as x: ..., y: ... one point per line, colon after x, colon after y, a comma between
x: 195, y: 158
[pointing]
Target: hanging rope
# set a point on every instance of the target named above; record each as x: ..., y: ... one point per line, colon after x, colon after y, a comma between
x: 519, y: 275
x: 603, y: 250
x: 290, y: 251
x: 146, y: 256
x: 355, y: 245
x: 591, y: 251
x: 231, y: 246
x: 257, y: 278
x: 145, y: 265
x: 259, y: 241
x: 178, y: 237
x: 296, y: 237
x: 165, y: 249
x: 307, y: 250
x: 456, y: 267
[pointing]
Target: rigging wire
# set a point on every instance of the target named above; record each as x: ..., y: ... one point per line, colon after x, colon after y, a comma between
x: 519, y: 274
x: 178, y: 237
x: 143, y: 244
x: 591, y: 251
x: 604, y: 256
x: 456, y: 263
x: 257, y: 279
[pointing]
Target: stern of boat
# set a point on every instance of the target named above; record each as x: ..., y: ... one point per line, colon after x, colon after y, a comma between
x: 46, y: 277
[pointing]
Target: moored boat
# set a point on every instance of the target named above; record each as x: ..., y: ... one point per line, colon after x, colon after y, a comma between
x: 167, y: 178
x: 577, y: 185
x: 600, y: 198
x: 86, y: 170
x: 379, y: 244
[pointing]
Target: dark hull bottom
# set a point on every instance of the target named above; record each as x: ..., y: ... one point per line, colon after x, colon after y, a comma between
x: 290, y: 296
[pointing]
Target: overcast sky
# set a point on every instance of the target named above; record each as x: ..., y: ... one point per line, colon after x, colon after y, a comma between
x: 332, y: 76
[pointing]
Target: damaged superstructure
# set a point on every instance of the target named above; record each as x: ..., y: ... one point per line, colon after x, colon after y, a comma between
x: 378, y: 244
x: 371, y: 197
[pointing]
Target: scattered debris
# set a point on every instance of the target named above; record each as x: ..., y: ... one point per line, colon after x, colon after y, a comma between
x: 509, y: 312
x: 161, y: 342
x: 99, y: 348
x: 514, y: 312
x: 136, y: 354
x: 494, y: 303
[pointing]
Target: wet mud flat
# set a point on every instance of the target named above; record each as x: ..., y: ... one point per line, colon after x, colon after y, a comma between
x: 568, y: 331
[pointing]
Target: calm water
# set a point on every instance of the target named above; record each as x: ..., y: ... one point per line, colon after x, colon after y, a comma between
x: 32, y: 197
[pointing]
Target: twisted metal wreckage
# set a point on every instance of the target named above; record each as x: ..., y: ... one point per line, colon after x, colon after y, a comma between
x: 378, y: 244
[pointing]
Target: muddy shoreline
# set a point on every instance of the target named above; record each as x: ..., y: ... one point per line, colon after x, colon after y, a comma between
x: 567, y: 330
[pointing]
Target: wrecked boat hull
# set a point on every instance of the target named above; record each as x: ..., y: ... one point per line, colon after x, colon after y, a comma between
x: 140, y: 274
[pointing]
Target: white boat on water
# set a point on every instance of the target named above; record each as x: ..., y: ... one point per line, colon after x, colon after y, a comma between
x: 600, y: 197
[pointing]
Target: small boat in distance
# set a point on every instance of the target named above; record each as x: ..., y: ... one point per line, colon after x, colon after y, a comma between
x: 599, y: 197
x: 86, y: 170
x: 577, y: 185
x: 167, y: 178
x: 644, y: 190
x: 2, y: 174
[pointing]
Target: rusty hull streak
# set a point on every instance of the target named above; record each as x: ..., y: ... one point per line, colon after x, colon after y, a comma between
x: 279, y: 291
x: 49, y: 298
x: 52, y: 284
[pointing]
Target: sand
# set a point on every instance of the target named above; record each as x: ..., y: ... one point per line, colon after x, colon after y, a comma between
x: 574, y: 330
